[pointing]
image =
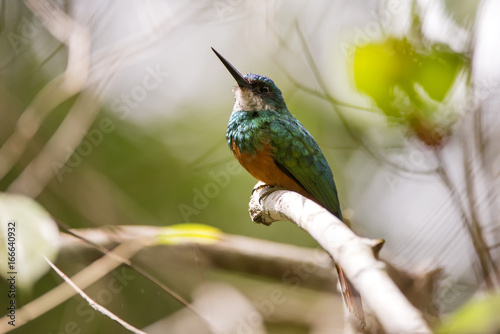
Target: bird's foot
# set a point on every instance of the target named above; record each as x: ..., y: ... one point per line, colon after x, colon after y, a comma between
x: 266, y: 190
x: 256, y: 206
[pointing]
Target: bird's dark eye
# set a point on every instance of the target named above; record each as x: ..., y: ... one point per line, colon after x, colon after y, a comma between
x: 264, y: 89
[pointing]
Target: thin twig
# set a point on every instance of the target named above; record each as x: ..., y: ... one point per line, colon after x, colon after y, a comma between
x: 84, y: 278
x: 478, y: 244
x: 96, y: 306
x: 488, y: 265
x: 481, y: 147
x: 134, y: 267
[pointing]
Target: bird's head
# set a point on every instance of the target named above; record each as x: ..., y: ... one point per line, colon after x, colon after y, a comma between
x: 254, y: 92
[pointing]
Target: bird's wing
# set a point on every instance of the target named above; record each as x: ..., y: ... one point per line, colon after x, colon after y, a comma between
x: 298, y: 155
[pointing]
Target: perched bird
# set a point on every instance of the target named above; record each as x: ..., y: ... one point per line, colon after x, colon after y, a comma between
x: 275, y: 148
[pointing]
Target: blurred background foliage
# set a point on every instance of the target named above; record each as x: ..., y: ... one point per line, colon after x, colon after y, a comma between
x: 400, y: 95
x: 393, y: 71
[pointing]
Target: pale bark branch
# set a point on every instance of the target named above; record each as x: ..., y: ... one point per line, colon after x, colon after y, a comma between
x: 353, y: 253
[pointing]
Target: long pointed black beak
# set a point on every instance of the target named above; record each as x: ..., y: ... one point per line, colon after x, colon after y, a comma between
x: 234, y: 72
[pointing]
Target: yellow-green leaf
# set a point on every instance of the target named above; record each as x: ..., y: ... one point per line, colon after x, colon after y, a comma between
x: 189, y: 233
x: 477, y: 316
x: 395, y: 65
x: 437, y: 72
x: 380, y: 67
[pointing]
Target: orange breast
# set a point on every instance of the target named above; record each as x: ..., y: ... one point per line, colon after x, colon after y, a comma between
x: 261, y: 166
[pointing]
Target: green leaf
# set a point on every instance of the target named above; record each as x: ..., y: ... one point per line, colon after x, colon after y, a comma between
x: 380, y: 69
x: 189, y: 233
x: 27, y: 232
x: 437, y: 72
x: 477, y: 316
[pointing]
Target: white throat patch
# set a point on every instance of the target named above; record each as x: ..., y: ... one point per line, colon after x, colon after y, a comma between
x: 246, y: 100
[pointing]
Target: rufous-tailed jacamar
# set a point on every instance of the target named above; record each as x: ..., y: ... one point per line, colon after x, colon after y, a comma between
x: 275, y: 148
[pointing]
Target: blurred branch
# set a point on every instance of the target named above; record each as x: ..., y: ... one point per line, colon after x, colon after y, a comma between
x: 354, y: 254
x: 28, y: 124
x: 249, y: 255
x: 224, y: 305
x: 55, y: 20
x: 86, y: 73
x: 146, y: 240
x: 58, y: 90
x: 232, y: 252
x: 288, y: 264
x: 471, y: 224
x: 483, y: 143
x: 473, y: 163
x: 72, y: 130
x: 92, y: 303
x: 475, y: 229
